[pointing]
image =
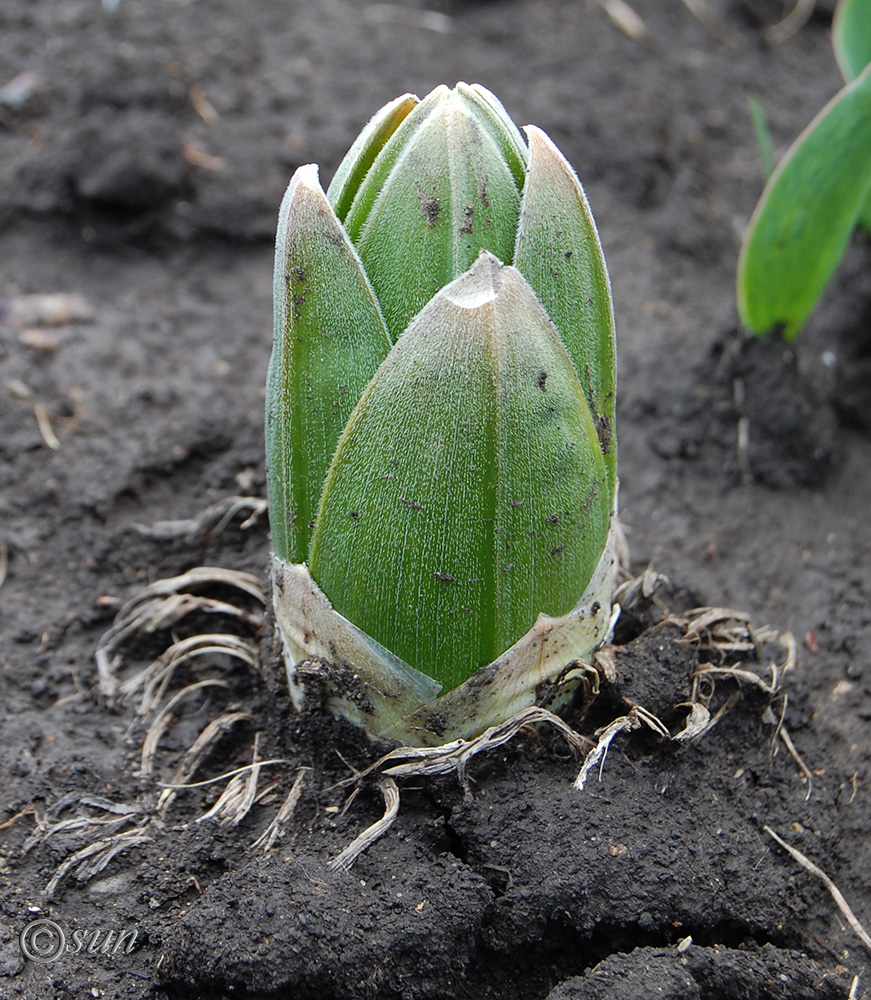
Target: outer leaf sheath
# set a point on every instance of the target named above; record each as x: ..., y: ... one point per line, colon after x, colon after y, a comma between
x: 329, y: 339
x: 497, y: 478
x: 559, y: 253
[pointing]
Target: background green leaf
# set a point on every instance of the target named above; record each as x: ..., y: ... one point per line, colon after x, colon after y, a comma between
x: 851, y: 40
x: 851, y: 37
x: 807, y: 212
x: 468, y: 492
x: 763, y: 135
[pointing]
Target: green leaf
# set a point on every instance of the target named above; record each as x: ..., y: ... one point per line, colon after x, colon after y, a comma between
x: 865, y: 213
x: 362, y: 154
x: 851, y: 37
x: 807, y: 212
x: 763, y: 135
x: 371, y: 184
x: 329, y: 340
x: 559, y: 253
x: 449, y: 192
x: 468, y: 492
x: 492, y: 115
x: 851, y: 40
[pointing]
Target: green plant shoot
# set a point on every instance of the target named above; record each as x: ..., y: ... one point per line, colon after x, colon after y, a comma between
x: 440, y: 422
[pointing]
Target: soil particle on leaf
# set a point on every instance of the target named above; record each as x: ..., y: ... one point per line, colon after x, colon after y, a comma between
x: 430, y: 208
x: 467, y: 227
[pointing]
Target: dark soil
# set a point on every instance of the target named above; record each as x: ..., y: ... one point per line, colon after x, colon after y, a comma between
x: 141, y: 167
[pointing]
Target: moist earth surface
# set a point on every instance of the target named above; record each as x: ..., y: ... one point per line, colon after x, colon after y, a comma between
x: 144, y: 150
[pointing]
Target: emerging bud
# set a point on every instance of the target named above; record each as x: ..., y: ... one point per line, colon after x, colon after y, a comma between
x: 440, y: 422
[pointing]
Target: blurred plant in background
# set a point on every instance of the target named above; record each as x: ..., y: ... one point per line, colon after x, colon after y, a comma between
x: 817, y: 195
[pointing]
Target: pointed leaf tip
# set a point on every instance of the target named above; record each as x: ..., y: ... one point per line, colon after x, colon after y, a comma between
x: 329, y: 338
x: 366, y: 148
x: 479, y: 285
x: 445, y: 185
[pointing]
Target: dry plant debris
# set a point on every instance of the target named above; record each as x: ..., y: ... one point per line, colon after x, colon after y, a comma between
x: 834, y: 891
x: 721, y: 634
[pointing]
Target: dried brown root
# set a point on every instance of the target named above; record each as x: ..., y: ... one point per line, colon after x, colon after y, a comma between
x: 451, y: 758
x: 210, y: 522
x: 834, y: 891
x: 712, y: 24
x: 107, y: 837
x: 196, y: 753
x: 796, y: 756
x: 636, y: 717
x: 641, y: 587
x: 235, y: 802
x: 719, y: 632
x: 163, y: 604
x: 94, y: 858
x: 28, y: 810
x: 626, y: 19
x: 155, y: 678
x: 723, y: 632
x: 794, y: 21
x: 390, y: 791
x: 454, y: 757
x: 231, y: 807
x: 120, y: 814
x: 164, y: 720
x: 278, y: 827
x: 698, y: 721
